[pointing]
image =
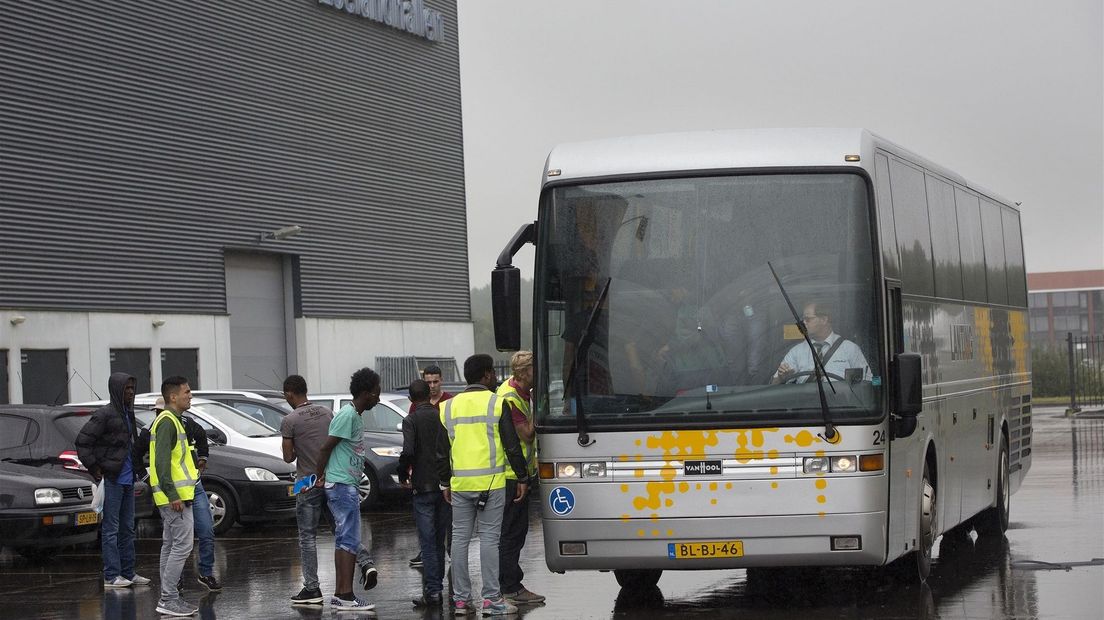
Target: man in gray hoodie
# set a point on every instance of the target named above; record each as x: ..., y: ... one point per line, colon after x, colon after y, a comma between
x: 108, y: 447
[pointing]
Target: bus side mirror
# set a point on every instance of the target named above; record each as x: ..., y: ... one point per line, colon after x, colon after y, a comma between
x: 506, y: 307
x: 908, y: 392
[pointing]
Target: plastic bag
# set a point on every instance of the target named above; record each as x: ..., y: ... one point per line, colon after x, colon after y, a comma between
x: 98, y: 496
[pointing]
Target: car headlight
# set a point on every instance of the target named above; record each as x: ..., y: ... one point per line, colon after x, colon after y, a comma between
x: 567, y: 470
x: 47, y: 496
x: 594, y: 470
x: 260, y: 474
x: 391, y: 451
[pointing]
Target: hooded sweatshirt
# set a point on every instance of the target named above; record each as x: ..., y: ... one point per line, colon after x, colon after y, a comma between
x: 108, y: 440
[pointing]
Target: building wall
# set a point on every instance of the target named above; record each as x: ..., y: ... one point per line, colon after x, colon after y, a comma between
x: 1065, y: 302
x: 141, y: 140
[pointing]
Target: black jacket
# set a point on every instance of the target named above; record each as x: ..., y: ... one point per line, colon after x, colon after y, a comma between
x: 105, y: 440
x: 418, y: 462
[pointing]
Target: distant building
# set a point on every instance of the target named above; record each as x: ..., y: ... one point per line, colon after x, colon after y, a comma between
x: 1062, y: 302
x: 228, y: 191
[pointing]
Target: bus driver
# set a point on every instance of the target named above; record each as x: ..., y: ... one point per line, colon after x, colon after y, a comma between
x: 836, y: 352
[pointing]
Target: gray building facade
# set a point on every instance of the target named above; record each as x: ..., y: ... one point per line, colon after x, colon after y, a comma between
x: 148, y: 149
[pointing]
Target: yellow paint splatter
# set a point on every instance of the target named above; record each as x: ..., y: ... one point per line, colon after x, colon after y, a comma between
x: 670, y: 532
x: 803, y: 439
x: 820, y: 484
x: 625, y: 518
x: 624, y: 488
x: 712, y: 486
x: 654, y: 490
x: 728, y: 485
x: 772, y: 454
x: 821, y: 499
x: 639, y: 532
x: 655, y: 532
x: 819, y: 453
x: 698, y: 486
x: 639, y: 457
x: 683, y: 487
x: 668, y: 502
x: 774, y: 471
x: 822, y: 514
x: 774, y: 485
x: 654, y: 517
x: 623, y: 458
x: 637, y: 442
x: 639, y: 473
x: 713, y: 501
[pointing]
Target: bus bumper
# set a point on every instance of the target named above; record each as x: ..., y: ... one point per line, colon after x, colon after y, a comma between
x: 800, y: 540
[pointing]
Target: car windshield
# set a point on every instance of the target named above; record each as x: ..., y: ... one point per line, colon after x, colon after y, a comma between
x: 237, y: 421
x: 666, y: 287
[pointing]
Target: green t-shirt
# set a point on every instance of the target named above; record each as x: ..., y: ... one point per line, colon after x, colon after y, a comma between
x: 346, y: 463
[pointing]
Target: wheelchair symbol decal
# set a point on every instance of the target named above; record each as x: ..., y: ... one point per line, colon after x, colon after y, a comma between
x: 561, y: 501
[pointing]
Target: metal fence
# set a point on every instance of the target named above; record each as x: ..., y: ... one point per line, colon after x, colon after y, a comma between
x: 1086, y: 371
x: 396, y: 373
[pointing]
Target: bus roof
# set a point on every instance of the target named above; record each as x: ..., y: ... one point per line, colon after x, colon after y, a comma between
x: 729, y: 150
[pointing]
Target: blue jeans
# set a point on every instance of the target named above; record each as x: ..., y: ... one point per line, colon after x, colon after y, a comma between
x: 433, y: 518
x: 117, y: 530
x: 308, y: 511
x: 204, y: 531
x: 344, y: 502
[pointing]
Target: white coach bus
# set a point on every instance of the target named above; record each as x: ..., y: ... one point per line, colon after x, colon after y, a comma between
x: 685, y: 421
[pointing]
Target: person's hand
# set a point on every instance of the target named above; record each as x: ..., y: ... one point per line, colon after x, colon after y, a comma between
x: 177, y: 505
x: 783, y: 372
x: 521, y: 490
x: 447, y: 493
x: 202, y: 465
x: 405, y: 483
x: 321, y: 482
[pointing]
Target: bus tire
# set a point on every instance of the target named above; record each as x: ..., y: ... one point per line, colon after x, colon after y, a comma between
x: 993, y: 521
x: 637, y: 579
x: 927, y: 523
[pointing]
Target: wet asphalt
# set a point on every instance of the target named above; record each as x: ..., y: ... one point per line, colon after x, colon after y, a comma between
x: 1057, y: 522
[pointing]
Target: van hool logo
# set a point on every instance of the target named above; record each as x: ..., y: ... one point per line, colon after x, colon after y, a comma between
x: 407, y: 15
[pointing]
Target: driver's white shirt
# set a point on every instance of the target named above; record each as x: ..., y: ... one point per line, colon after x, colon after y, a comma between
x: 848, y: 355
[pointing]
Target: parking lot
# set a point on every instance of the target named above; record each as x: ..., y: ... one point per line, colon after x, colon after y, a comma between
x: 1056, y: 518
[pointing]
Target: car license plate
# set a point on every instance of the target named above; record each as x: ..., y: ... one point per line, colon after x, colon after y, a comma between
x: 291, y: 491
x: 87, y: 518
x: 705, y: 550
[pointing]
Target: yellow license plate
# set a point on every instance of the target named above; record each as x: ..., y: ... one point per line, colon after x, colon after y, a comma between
x: 705, y: 550
x: 291, y: 491
x: 87, y: 518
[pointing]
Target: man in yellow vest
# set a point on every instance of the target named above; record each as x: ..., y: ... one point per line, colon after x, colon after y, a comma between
x: 173, y: 476
x: 481, y: 440
x: 515, y: 517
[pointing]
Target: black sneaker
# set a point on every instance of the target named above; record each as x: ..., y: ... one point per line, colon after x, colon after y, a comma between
x: 428, y: 600
x: 210, y: 581
x: 368, y: 576
x: 308, y: 596
x: 416, y: 562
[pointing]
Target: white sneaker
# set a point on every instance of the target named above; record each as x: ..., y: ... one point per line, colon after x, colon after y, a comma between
x: 119, y: 582
x: 139, y: 580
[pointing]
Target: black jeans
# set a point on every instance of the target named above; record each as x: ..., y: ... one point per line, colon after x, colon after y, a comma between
x: 515, y: 526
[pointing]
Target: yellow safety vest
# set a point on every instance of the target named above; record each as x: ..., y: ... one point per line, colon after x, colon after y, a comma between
x: 477, y: 457
x: 507, y: 393
x: 184, y: 472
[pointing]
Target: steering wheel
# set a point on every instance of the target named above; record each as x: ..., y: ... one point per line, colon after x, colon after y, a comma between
x: 810, y: 373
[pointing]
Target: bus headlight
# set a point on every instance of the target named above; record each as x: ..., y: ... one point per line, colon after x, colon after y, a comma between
x: 815, y: 465
x: 594, y: 470
x: 843, y: 464
x: 567, y: 470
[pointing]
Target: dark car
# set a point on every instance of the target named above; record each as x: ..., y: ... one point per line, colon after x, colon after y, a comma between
x: 45, y: 436
x: 41, y: 510
x: 242, y: 485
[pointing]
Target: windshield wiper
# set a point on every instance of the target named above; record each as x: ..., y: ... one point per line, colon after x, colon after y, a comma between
x: 821, y: 373
x: 580, y: 357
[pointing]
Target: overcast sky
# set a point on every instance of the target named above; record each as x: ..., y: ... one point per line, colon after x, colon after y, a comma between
x: 1008, y: 93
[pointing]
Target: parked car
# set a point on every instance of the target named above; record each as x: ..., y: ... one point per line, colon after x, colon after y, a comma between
x: 244, y: 486
x: 382, y: 440
x: 41, y: 510
x: 45, y: 436
x: 255, y: 405
x: 228, y: 425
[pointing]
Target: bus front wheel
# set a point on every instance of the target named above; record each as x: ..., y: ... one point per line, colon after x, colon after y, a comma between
x: 993, y: 521
x: 637, y: 579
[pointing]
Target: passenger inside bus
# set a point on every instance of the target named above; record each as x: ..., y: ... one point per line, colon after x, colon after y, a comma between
x: 841, y: 358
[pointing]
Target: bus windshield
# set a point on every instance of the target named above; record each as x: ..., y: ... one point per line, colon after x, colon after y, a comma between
x: 692, y: 328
